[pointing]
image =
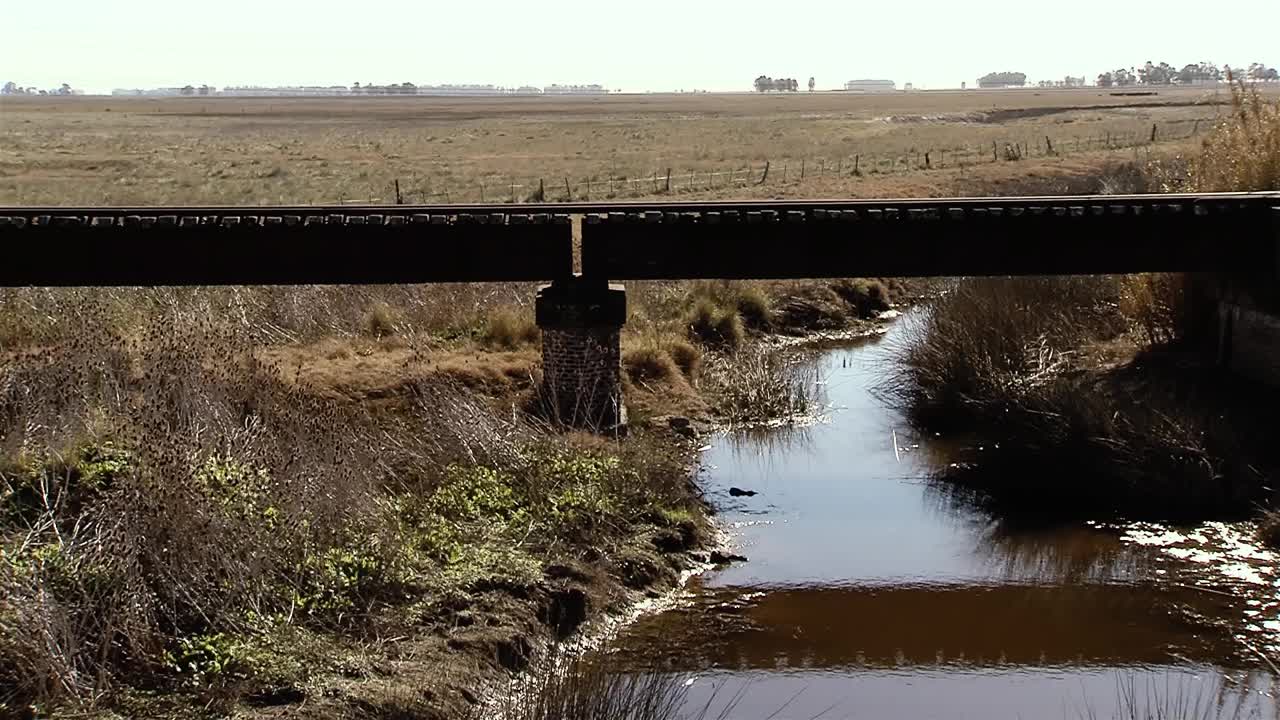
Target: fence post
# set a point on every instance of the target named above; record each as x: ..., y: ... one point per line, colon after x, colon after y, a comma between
x: 1153, y: 132
x: 568, y: 191
x: 927, y: 163
x: 482, y: 191
x: 611, y: 191
x: 802, y: 164
x: 513, y: 191
x: 764, y: 177
x: 668, y: 179
x: 1049, y: 144
x: 542, y: 190
x: 995, y: 152
x: 857, y: 159
x: 784, y: 172
x: 399, y: 197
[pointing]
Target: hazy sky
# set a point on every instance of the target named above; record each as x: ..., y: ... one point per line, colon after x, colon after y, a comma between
x: 649, y: 45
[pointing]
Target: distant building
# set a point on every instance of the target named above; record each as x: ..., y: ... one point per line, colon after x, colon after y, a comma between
x: 870, y: 86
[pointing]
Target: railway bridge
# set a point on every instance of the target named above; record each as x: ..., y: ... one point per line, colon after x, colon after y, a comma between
x: 1231, y: 241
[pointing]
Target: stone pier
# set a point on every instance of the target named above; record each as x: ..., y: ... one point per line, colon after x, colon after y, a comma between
x: 581, y: 323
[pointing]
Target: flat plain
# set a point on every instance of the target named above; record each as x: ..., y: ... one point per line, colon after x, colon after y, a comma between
x: 194, y: 150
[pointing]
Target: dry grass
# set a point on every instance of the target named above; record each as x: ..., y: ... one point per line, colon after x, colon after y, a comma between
x: 1010, y: 359
x: 759, y: 384
x: 280, y: 151
x: 174, y: 498
x: 1241, y: 153
x: 508, y: 329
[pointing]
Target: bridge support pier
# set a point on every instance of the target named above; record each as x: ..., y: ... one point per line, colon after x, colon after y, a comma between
x: 581, y: 324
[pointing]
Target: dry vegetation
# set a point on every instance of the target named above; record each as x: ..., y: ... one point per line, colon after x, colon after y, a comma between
x: 231, y: 499
x: 1094, y: 392
x: 182, y: 511
x: 280, y: 151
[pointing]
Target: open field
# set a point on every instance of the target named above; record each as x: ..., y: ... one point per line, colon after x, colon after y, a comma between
x: 264, y: 150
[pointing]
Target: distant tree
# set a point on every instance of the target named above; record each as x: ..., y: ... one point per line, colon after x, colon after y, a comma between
x: 764, y: 83
x: 1106, y: 80
x: 65, y: 89
x: 1162, y: 74
x: 1124, y: 78
x: 1003, y: 79
x: 1259, y: 72
x: 10, y: 88
x: 793, y: 85
x: 355, y: 88
x: 812, y: 84
x: 188, y: 90
x: 205, y: 90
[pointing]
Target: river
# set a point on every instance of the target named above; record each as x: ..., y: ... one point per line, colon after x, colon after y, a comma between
x: 871, y: 592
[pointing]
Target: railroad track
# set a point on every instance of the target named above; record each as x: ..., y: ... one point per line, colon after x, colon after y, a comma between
x: 143, y: 217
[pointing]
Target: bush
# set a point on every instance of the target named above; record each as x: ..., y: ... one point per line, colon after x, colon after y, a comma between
x: 686, y: 356
x: 380, y: 321
x: 813, y: 307
x: 868, y: 297
x: 758, y: 383
x: 1242, y: 153
x: 714, y: 326
x: 649, y: 365
x: 1000, y: 358
x: 753, y: 306
x: 508, y: 330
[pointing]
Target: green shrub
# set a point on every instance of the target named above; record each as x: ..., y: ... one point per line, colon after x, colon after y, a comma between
x: 475, y: 494
x: 209, y: 657
x: 334, y: 581
x: 30, y: 486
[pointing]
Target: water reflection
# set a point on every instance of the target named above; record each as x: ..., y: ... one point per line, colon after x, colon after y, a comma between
x: 881, y: 590
x: 998, y: 626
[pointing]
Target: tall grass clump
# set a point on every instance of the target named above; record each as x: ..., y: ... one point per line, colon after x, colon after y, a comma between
x: 507, y: 329
x: 1011, y: 361
x: 1241, y: 153
x: 715, y: 326
x: 584, y: 689
x: 987, y: 340
x: 759, y: 384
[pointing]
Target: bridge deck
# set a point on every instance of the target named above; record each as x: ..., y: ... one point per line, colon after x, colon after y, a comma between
x: 637, y: 240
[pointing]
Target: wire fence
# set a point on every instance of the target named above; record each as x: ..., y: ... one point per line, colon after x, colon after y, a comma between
x: 790, y: 171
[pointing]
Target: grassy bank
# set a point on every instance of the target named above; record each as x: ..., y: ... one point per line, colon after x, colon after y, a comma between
x: 191, y: 524
x: 236, y: 500
x: 1094, y: 396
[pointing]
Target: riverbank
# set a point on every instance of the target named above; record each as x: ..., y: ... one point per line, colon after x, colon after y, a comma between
x: 1096, y: 398
x: 326, y: 502
x: 1090, y: 382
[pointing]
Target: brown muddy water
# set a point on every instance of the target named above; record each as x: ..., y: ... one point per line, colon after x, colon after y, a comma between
x: 870, y: 592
